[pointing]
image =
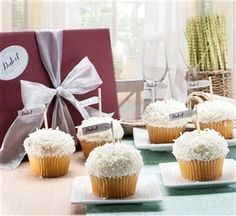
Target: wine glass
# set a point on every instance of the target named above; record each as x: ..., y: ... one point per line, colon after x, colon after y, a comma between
x: 154, y: 67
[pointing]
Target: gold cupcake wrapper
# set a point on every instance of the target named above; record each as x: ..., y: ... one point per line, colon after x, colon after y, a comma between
x: 49, y: 166
x: 87, y: 147
x: 225, y: 128
x: 116, y: 187
x: 196, y: 170
x: 163, y: 135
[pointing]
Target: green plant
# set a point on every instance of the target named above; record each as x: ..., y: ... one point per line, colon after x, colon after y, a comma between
x: 207, y: 43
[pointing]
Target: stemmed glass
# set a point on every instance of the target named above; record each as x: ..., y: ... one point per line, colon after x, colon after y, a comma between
x: 154, y: 67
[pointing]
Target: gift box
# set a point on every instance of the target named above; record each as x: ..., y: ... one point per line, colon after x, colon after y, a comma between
x: 21, y: 59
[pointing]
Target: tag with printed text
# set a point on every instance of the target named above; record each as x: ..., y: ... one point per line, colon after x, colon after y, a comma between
x: 30, y: 111
x: 96, y: 128
x: 181, y: 114
x: 198, y: 84
x: 149, y: 85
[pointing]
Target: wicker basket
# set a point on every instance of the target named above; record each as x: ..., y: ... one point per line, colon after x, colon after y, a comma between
x: 221, y: 81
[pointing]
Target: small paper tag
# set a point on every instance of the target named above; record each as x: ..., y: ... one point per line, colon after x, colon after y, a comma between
x: 30, y: 111
x: 149, y: 85
x: 198, y: 84
x: 89, y: 101
x: 96, y: 128
x: 181, y: 114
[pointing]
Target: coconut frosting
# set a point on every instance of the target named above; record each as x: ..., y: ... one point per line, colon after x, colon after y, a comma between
x: 114, y: 160
x: 103, y: 135
x: 204, y: 145
x: 49, y: 143
x: 217, y: 110
x: 157, y: 114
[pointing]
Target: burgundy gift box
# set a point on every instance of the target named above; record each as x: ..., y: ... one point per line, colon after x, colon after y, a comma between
x: 93, y: 43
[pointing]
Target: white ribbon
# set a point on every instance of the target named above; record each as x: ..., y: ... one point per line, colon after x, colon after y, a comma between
x: 82, y: 79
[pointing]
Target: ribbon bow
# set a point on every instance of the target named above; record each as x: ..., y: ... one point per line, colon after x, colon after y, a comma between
x: 82, y: 79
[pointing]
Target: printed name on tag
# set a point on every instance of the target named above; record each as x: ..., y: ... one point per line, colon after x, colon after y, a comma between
x: 96, y: 128
x: 149, y: 85
x: 181, y: 114
x: 89, y: 101
x: 198, y: 84
x: 29, y: 112
x: 13, y: 61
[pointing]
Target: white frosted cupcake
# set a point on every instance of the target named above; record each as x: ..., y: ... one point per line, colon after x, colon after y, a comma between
x: 158, y: 124
x: 200, y: 155
x: 90, y: 141
x: 114, y: 170
x: 218, y: 115
x: 49, y: 152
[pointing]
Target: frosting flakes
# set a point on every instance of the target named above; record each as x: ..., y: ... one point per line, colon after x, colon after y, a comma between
x: 157, y: 114
x: 205, y: 145
x: 217, y: 110
x: 116, y: 160
x: 49, y: 143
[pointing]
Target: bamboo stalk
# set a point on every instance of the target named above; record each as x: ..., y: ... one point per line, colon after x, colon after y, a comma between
x: 207, y: 43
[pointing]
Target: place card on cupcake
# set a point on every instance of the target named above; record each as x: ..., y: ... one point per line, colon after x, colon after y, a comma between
x: 158, y: 123
x: 89, y: 141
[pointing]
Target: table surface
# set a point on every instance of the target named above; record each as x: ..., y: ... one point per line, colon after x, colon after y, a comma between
x: 24, y: 194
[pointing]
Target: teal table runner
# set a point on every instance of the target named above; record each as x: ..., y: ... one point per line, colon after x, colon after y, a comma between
x: 198, y: 201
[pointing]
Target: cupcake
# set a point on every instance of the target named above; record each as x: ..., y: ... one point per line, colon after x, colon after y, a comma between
x: 200, y: 155
x: 49, y: 152
x: 218, y: 115
x: 90, y: 141
x: 158, y: 124
x: 114, y: 170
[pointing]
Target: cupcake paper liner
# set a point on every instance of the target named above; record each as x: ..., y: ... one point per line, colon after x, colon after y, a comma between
x: 163, y: 135
x: 87, y: 147
x: 115, y: 187
x: 225, y: 128
x: 49, y: 166
x: 196, y: 170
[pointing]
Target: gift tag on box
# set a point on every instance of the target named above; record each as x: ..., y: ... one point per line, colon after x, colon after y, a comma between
x: 13, y: 61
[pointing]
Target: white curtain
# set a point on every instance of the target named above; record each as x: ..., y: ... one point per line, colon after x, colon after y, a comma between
x: 166, y: 20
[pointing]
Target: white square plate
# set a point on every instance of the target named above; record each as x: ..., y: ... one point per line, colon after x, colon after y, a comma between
x: 141, y: 141
x: 147, y: 190
x: 172, y: 178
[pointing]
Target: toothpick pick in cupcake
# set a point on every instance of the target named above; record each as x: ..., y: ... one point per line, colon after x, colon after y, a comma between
x: 45, y: 116
x: 112, y: 133
x: 210, y: 85
x: 197, y: 120
x: 100, y: 100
